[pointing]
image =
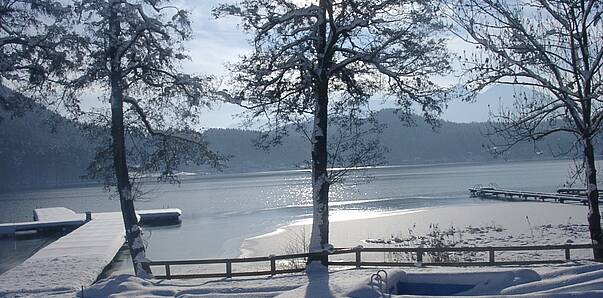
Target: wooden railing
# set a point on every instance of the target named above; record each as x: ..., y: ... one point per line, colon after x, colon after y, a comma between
x: 418, y: 253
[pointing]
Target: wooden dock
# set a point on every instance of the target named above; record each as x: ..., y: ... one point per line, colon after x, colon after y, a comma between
x: 74, y: 260
x: 512, y: 195
x: 64, y: 219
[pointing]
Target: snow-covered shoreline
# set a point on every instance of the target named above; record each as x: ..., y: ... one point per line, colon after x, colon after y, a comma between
x: 490, y: 223
x: 487, y: 224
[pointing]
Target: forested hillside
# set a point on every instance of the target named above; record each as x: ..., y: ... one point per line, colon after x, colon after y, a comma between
x: 40, y: 149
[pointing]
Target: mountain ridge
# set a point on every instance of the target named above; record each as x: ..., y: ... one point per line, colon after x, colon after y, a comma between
x: 36, y: 151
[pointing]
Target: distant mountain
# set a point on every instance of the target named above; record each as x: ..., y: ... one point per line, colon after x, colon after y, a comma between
x: 42, y: 149
x: 421, y: 143
x: 488, y: 101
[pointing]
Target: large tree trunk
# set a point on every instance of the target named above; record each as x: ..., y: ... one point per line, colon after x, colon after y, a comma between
x: 594, y: 216
x: 319, y: 239
x: 124, y: 187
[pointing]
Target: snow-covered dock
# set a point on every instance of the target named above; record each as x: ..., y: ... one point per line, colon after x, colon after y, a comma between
x: 46, y: 219
x: 60, y: 218
x: 74, y: 260
x: 506, y: 194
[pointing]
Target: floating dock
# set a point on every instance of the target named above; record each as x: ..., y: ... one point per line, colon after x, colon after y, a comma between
x: 506, y: 194
x: 76, y: 259
x: 64, y: 219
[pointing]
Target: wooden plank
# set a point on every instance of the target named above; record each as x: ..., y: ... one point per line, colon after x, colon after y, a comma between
x: 185, y: 276
x: 388, y: 264
x: 382, y: 249
x: 479, y: 248
x: 210, y: 261
x: 511, y: 194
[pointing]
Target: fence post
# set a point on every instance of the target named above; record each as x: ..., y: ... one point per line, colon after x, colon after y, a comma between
x: 358, y: 250
x: 419, y: 256
x: 228, y: 269
x: 167, y: 271
x: 491, y: 252
x: 272, y: 265
x: 567, y: 254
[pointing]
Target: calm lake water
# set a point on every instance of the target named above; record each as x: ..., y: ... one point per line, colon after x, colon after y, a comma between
x: 220, y: 211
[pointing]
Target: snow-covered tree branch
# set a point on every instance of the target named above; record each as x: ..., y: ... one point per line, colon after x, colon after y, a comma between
x: 325, y: 58
x: 553, y: 46
x: 133, y: 55
x: 37, y: 49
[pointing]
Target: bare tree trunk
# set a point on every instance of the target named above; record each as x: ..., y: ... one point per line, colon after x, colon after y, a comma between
x: 124, y: 187
x: 319, y: 238
x: 594, y: 216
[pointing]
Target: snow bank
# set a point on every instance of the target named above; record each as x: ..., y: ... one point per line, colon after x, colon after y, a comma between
x: 542, y: 281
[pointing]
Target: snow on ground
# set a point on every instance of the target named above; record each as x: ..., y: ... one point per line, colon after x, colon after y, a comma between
x: 472, y: 225
x: 494, y: 224
x: 575, y: 280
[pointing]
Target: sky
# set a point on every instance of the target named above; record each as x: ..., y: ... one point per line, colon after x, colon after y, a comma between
x: 217, y: 42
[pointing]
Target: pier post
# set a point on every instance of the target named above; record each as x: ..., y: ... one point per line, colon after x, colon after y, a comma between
x: 419, y: 256
x: 168, y: 274
x: 567, y: 254
x: 272, y: 265
x: 358, y: 251
x: 491, y: 253
x: 228, y: 268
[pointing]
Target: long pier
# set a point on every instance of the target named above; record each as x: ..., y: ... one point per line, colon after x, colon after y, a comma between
x: 75, y: 260
x: 507, y: 194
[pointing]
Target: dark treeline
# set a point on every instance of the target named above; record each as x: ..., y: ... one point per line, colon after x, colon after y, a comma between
x: 41, y: 149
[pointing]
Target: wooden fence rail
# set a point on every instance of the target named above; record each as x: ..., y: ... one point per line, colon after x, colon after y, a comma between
x: 358, y: 263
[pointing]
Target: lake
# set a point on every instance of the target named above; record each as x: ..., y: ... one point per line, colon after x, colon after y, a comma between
x: 220, y: 211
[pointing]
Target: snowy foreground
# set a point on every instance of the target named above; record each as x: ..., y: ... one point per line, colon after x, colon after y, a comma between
x: 503, y: 224
x: 572, y: 280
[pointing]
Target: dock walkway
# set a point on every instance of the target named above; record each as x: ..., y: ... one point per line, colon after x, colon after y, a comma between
x: 72, y: 261
x: 506, y: 194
